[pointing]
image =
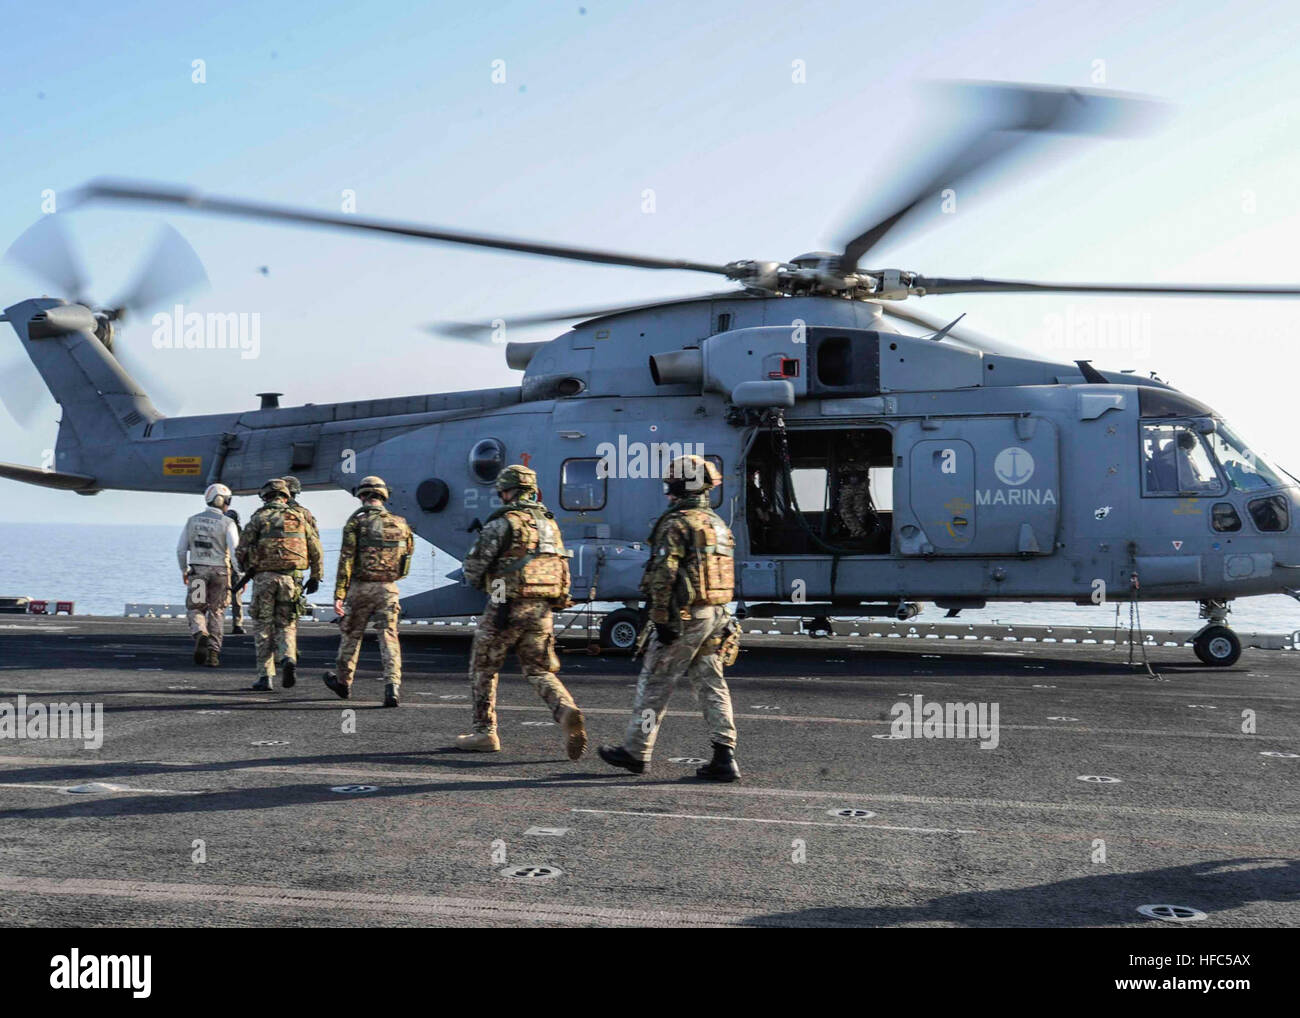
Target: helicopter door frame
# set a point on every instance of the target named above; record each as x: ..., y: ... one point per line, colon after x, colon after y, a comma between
x: 859, y: 450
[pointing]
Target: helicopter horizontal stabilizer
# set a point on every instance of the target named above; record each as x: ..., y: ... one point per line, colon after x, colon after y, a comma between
x: 47, y: 478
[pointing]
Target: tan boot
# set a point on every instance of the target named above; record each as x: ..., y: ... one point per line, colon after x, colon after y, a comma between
x: 575, y: 732
x: 479, y: 742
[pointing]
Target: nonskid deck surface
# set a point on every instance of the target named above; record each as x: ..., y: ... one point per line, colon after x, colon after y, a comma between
x: 209, y: 804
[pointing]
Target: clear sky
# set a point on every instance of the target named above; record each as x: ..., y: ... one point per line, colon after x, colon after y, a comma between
x: 602, y: 101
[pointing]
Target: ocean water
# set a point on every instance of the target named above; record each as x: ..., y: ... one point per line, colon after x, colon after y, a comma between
x: 102, y: 567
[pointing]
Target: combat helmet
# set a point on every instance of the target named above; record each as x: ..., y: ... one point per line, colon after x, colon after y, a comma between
x: 295, y: 485
x: 274, y: 488
x: 517, y: 476
x: 691, y: 474
x: 372, y: 487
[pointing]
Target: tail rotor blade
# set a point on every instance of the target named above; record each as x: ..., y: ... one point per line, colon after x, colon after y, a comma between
x: 21, y: 390
x: 45, y: 251
x: 171, y: 269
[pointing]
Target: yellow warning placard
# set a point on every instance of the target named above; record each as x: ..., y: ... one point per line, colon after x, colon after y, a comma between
x: 180, y: 466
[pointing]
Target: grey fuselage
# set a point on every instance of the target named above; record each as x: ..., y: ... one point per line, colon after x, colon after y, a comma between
x: 962, y: 426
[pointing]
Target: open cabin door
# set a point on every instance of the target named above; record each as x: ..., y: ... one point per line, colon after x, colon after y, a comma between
x: 976, y: 486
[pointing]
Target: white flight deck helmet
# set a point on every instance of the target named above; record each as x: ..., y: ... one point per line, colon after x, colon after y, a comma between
x: 217, y: 491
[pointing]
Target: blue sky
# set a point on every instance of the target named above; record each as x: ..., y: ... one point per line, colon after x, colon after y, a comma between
x: 693, y: 100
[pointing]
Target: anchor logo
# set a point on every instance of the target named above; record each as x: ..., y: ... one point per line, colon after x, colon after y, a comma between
x: 1014, y: 465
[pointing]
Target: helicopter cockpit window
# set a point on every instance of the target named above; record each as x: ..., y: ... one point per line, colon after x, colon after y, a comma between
x: 582, y: 485
x: 1175, y: 461
x: 1245, y: 470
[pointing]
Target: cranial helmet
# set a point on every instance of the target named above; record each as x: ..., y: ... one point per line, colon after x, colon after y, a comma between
x: 295, y: 485
x: 517, y: 476
x: 691, y: 474
x: 274, y: 488
x: 372, y: 487
x: 215, y: 492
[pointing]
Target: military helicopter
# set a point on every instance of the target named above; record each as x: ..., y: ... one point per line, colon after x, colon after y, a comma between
x: 864, y: 469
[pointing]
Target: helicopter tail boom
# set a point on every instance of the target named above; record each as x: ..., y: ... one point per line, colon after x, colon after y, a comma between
x: 103, y: 407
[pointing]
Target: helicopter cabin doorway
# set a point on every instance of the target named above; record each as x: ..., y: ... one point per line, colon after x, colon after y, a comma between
x: 836, y: 496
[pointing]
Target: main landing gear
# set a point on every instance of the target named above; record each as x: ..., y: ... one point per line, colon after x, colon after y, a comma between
x: 1216, y: 645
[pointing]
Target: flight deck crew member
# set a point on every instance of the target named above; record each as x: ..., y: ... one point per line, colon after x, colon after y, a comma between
x: 376, y: 553
x: 236, y: 603
x: 520, y: 562
x: 689, y: 579
x: 205, y: 551
x: 277, y: 543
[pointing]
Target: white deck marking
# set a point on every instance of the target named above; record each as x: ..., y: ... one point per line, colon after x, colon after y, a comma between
x: 766, y: 820
x: 486, y: 910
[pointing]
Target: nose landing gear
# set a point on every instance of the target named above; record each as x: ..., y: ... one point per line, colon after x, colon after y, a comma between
x: 1216, y: 645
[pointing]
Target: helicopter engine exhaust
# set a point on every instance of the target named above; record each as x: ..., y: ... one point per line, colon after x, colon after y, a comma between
x: 679, y: 367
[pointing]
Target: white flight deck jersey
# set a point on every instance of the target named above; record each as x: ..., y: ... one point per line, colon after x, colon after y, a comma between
x: 209, y: 538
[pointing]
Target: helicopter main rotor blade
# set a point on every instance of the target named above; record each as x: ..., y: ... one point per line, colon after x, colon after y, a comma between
x: 939, y: 285
x: 480, y: 330
x: 150, y: 194
x: 171, y: 269
x: 1005, y: 116
x: 934, y: 324
x: 45, y: 251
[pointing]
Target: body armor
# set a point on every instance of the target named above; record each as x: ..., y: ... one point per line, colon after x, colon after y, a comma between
x: 536, y: 564
x: 708, y: 568
x: 381, y: 546
x: 282, y: 543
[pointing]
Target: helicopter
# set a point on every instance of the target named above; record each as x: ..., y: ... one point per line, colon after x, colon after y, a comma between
x: 864, y: 469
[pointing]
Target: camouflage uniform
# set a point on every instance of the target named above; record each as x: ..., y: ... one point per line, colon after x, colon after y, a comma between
x: 688, y: 582
x: 276, y: 544
x: 376, y: 553
x: 295, y: 489
x: 854, y: 502
x: 520, y: 561
x: 233, y: 596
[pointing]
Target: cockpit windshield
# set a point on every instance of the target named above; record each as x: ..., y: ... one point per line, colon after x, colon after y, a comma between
x: 1245, y: 470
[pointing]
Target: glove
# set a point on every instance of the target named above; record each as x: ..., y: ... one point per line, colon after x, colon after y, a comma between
x: 664, y: 633
x: 311, y: 586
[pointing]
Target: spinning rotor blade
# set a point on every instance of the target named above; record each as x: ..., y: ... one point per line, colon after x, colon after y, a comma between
x: 1004, y: 118
x: 45, y: 251
x: 171, y: 269
x: 939, y: 285
x: 154, y: 195
x: 479, y: 331
x: 21, y: 390
x: 934, y: 324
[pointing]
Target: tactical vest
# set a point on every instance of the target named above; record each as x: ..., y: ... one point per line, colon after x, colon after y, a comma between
x: 381, y: 546
x: 710, y: 565
x: 535, y: 564
x: 281, y: 545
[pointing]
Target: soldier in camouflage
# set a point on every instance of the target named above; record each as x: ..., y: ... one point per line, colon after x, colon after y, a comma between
x: 276, y: 544
x: 295, y: 489
x: 236, y: 604
x: 520, y: 562
x: 689, y: 579
x: 376, y: 553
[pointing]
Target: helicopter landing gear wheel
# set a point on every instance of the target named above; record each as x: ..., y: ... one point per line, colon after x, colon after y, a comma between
x: 619, y: 629
x: 1217, y: 646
